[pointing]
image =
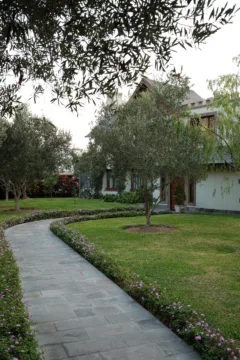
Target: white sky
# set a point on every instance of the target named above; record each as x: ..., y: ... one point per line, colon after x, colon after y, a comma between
x: 214, y: 58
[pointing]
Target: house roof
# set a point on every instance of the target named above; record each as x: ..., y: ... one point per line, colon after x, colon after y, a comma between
x: 193, y: 97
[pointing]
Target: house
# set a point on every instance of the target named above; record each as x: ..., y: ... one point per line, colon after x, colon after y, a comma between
x: 218, y: 193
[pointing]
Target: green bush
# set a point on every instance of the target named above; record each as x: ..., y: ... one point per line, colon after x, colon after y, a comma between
x: 129, y: 198
x: 111, y: 198
x: 17, y: 340
x: 124, y: 198
x: 188, y: 324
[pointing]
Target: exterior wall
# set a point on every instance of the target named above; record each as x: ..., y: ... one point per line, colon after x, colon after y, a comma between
x: 220, y: 191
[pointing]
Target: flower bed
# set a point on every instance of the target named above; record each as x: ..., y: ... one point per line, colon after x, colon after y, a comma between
x: 184, y: 321
x: 17, y: 341
x: 54, y: 214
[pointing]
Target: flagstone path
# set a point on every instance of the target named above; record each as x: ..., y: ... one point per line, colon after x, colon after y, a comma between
x: 79, y: 313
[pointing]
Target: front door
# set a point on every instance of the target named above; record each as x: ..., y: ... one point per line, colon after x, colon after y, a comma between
x: 172, y: 189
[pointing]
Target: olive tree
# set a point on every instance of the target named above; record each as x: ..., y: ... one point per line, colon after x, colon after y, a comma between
x: 226, y: 101
x: 83, y: 47
x: 92, y: 163
x: 149, y: 138
x: 33, y: 148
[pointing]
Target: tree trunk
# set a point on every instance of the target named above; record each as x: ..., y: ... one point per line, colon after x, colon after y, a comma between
x: 148, y: 216
x: 16, y: 200
x: 147, y: 207
x: 6, y: 194
x: 25, y: 197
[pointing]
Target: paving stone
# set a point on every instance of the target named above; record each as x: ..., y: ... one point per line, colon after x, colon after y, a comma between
x: 66, y: 307
x: 34, y: 294
x: 54, y: 352
x: 45, y: 328
x: 96, y: 356
x: 84, y: 312
x: 91, y: 347
x: 125, y: 317
x: 151, y: 324
x: 86, y: 296
x: 145, y: 337
x: 37, y: 310
x: 174, y: 347
x: 120, y: 300
x: 41, y: 318
x: 60, y: 337
x: 189, y: 356
x: 82, y: 322
x: 142, y: 352
x: 103, y: 331
x: 46, y: 300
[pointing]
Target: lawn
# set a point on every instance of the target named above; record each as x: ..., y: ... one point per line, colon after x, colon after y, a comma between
x: 6, y: 207
x: 198, y: 263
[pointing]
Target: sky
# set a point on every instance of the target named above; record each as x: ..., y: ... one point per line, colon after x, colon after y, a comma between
x: 213, y: 59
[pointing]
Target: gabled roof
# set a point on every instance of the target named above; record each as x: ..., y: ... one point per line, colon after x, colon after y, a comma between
x: 146, y: 82
x: 193, y: 97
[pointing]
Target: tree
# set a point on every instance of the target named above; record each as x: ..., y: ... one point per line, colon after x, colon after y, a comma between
x: 82, y: 47
x: 33, y: 148
x: 92, y: 163
x: 49, y: 183
x: 226, y: 90
x: 148, y: 138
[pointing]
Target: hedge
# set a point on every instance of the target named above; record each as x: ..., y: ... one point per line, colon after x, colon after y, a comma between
x: 54, y: 214
x: 180, y: 318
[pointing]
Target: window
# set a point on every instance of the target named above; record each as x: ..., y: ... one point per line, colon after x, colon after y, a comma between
x: 206, y: 122
x: 163, y: 188
x: 135, y: 183
x: 191, y: 193
x: 110, y: 181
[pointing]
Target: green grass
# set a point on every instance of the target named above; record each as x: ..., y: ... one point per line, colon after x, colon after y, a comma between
x: 198, y: 263
x: 50, y: 204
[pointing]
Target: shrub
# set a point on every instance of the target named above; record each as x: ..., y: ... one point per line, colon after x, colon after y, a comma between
x: 64, y: 187
x: 124, y: 198
x: 17, y: 340
x: 111, y: 198
x: 187, y: 323
x: 179, y: 195
x: 129, y: 198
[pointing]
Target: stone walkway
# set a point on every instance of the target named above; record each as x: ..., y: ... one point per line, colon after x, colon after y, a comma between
x: 81, y: 314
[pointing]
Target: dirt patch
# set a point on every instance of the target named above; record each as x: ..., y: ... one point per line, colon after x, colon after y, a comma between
x: 149, y: 229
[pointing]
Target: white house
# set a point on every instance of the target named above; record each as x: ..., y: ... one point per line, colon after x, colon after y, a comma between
x: 220, y: 192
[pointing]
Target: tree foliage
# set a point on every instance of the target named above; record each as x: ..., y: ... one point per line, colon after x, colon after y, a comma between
x: 82, y: 47
x: 148, y: 138
x: 92, y: 163
x: 226, y: 101
x: 32, y: 149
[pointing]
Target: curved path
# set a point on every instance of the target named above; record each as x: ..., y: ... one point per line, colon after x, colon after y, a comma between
x: 80, y: 313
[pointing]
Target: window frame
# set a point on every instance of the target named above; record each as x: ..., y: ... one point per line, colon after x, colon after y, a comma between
x: 110, y: 175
